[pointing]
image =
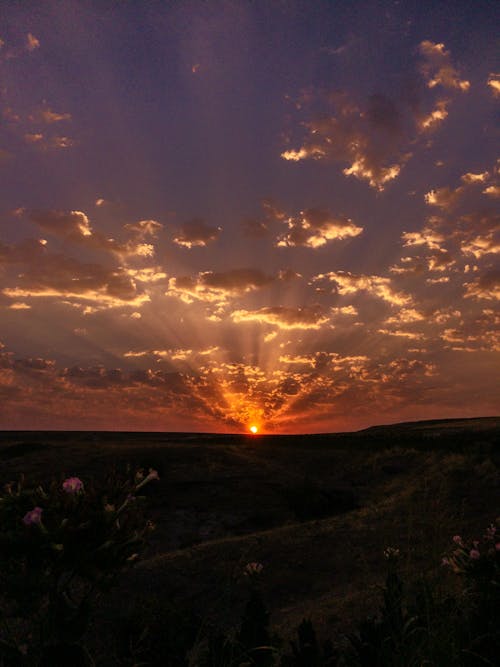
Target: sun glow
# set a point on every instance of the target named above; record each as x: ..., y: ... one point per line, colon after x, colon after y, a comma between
x: 254, y: 429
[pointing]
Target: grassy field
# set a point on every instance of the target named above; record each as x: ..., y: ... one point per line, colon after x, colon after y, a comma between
x: 317, y: 511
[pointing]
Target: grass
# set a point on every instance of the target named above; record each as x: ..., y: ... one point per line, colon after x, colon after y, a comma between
x: 318, y: 512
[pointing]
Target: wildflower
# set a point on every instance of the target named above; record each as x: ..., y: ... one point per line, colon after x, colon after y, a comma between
x: 445, y: 561
x: 497, y: 546
x: 252, y: 569
x: 474, y: 554
x: 490, y: 532
x: 72, y: 485
x: 458, y: 540
x: 390, y: 552
x: 152, y: 474
x: 33, y: 517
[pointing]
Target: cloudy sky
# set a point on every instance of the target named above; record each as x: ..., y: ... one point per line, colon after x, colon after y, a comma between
x: 219, y: 214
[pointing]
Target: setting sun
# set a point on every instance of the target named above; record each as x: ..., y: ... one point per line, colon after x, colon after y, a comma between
x: 254, y: 429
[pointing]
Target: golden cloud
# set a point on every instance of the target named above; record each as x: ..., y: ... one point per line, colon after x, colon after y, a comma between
x: 305, y: 317
x: 350, y: 283
x: 438, y: 69
x: 315, y: 227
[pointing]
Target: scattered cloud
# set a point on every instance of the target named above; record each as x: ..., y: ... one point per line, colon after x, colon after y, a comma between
x: 48, y: 116
x: 377, y: 138
x: 494, y: 84
x: 486, y: 286
x: 315, y: 227
x: 438, y: 69
x: 305, y: 317
x: 218, y: 286
x: 32, y: 42
x: 345, y: 282
x: 196, y: 234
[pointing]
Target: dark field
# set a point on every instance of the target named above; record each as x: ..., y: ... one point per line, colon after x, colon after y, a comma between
x: 317, y: 511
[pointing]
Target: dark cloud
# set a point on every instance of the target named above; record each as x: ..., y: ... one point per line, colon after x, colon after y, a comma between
x: 196, y: 233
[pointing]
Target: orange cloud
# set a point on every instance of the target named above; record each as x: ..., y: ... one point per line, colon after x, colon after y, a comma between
x: 217, y: 287
x: 438, y: 69
x: 47, y: 116
x: 305, y: 317
x: 350, y: 283
x: 487, y: 286
x: 315, y: 227
x: 494, y: 84
x: 32, y: 42
x: 368, y: 140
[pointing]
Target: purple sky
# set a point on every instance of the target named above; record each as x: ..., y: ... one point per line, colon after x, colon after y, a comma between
x: 218, y: 214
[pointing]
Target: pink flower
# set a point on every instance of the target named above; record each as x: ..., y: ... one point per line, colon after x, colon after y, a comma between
x: 252, y: 569
x: 497, y: 546
x: 445, y: 561
x: 72, y: 485
x: 33, y: 517
x: 458, y: 540
x: 474, y: 554
x: 490, y: 532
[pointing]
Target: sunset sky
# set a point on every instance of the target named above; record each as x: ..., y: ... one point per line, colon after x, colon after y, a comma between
x: 230, y: 213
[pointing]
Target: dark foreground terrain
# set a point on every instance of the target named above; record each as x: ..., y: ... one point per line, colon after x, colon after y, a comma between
x: 317, y: 511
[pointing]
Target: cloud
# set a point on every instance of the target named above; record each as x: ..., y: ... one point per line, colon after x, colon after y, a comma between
x: 405, y: 316
x: 412, y: 335
x: 72, y: 224
x: 175, y: 354
x: 32, y: 42
x: 376, y: 138
x: 33, y: 138
x: 305, y: 317
x: 216, y: 287
x: 481, y: 245
x: 30, y: 250
x: 494, y: 83
x: 431, y: 120
x: 349, y: 283
x: 255, y: 228
x: 59, y: 277
x: 428, y: 236
x: 487, y: 286
x: 75, y: 226
x: 36, y: 365
x: 47, y: 116
x: 492, y: 191
x: 48, y: 143
x: 437, y: 67
x: 196, y: 234
x: 143, y: 228
x: 445, y: 198
x: 367, y: 139
x: 315, y: 227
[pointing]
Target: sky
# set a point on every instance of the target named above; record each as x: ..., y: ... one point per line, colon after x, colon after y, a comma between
x: 222, y: 214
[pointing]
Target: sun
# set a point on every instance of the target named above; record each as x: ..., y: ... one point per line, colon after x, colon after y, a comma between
x: 254, y: 429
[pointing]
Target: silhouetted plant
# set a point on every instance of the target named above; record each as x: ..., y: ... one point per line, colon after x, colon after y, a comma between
x: 156, y: 633
x: 59, y: 548
x: 306, y: 651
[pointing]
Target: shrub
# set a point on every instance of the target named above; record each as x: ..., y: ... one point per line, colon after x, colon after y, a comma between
x: 60, y: 547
